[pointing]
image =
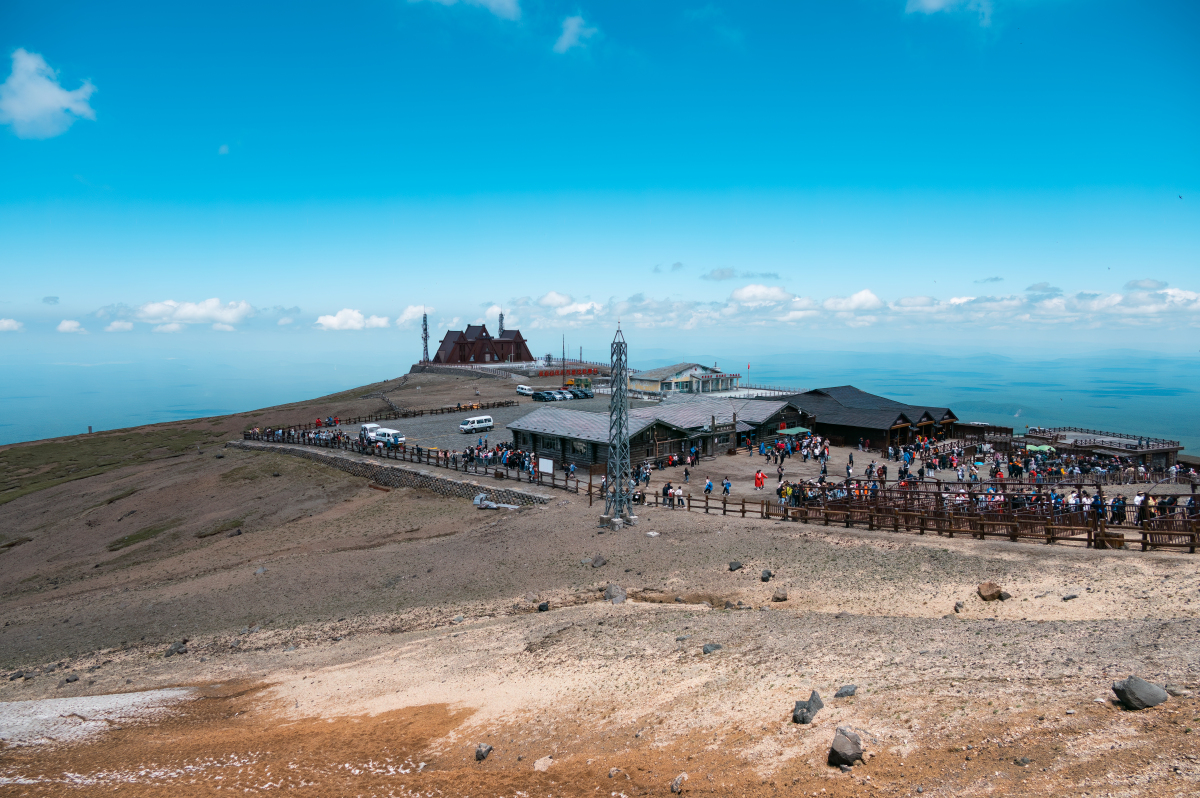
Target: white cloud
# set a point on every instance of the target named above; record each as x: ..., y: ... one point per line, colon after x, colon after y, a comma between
x: 10, y: 325
x: 411, y: 315
x: 33, y: 102
x: 119, y: 326
x: 210, y: 311
x: 505, y: 9
x: 171, y: 327
x: 574, y: 31
x: 219, y: 327
x: 981, y: 7
x: 1145, y: 285
x: 70, y: 326
x: 755, y: 295
x: 285, y: 321
x: 580, y: 308
x: 863, y: 300
x: 553, y: 299
x: 350, y: 319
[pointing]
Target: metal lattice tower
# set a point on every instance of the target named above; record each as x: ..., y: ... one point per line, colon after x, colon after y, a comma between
x: 424, y: 337
x: 502, y: 322
x: 618, y: 501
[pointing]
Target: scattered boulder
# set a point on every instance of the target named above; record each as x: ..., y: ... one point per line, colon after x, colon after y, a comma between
x: 1005, y: 595
x: 598, y: 560
x: 842, y: 616
x: 711, y: 647
x: 846, y: 691
x: 586, y: 561
x: 176, y: 648
x: 846, y: 749
x: 71, y: 678
x: 1176, y: 690
x: 481, y: 752
x: 780, y: 594
x: 989, y: 591
x: 677, y: 783
x: 651, y: 534
x: 544, y: 606
x: 729, y: 605
x: 805, y: 711
x: 1023, y: 761
x: 679, y: 599
x: 735, y: 566
x: 543, y: 764
x: 959, y: 606
x: 15, y: 676
x: 234, y: 533
x: 457, y: 619
x: 1137, y: 693
x: 614, y: 593
x: 766, y: 576
x: 1070, y: 597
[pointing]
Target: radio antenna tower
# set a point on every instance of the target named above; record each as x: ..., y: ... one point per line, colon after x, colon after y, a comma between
x: 618, y: 501
x: 424, y: 336
x: 502, y: 322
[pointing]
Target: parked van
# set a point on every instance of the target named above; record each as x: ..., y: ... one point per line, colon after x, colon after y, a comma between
x: 524, y: 390
x: 476, y: 424
x: 368, y: 431
x: 388, y: 437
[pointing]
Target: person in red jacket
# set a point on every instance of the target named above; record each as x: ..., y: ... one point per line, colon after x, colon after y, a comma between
x: 760, y: 479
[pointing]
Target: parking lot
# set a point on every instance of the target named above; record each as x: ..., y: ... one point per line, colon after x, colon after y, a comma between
x: 442, y: 430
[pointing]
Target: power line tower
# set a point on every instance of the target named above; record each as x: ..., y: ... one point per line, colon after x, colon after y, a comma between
x: 618, y: 500
x: 424, y: 337
x: 502, y: 322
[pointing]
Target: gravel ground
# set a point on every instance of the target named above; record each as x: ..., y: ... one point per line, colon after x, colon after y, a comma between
x: 356, y: 641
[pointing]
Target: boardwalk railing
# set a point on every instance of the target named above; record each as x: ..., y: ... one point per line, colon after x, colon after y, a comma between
x: 453, y: 461
x: 402, y: 413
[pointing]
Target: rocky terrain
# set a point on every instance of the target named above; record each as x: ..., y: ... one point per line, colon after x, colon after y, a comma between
x: 210, y: 619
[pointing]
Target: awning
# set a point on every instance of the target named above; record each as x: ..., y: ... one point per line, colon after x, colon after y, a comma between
x: 793, y: 431
x: 1031, y: 448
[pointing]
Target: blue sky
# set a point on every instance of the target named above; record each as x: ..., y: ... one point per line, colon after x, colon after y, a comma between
x: 720, y: 177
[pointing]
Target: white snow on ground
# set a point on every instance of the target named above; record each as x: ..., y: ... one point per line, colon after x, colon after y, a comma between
x: 60, y: 720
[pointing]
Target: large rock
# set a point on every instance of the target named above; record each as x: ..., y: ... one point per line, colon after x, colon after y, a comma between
x: 846, y: 691
x: 735, y: 566
x: 989, y: 591
x: 677, y: 783
x: 805, y: 711
x: 1137, y: 693
x: 766, y: 575
x: 846, y: 749
x: 614, y: 593
x: 481, y: 752
x: 598, y: 561
x: 709, y: 648
x: 780, y: 594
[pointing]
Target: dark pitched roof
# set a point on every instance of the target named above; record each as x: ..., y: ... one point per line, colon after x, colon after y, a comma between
x: 827, y: 410
x: 509, y: 335
x: 577, y: 424
x: 696, y: 412
x: 474, y: 331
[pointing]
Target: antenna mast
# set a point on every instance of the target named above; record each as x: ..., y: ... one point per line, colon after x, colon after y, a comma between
x: 618, y: 500
x: 424, y: 336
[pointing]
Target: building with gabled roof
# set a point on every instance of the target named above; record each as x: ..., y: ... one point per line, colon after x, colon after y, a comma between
x: 683, y: 378
x: 847, y: 413
x: 476, y: 345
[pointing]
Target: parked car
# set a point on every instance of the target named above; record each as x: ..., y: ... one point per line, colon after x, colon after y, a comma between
x: 385, y: 437
x: 542, y: 396
x: 564, y: 395
x: 476, y: 424
x: 577, y: 393
x: 524, y: 390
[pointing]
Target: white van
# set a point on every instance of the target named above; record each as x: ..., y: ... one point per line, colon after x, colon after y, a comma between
x: 524, y: 390
x: 387, y: 437
x: 368, y: 431
x: 476, y: 424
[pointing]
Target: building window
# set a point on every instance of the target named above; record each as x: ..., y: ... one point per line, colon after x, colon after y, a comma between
x: 579, y: 447
x: 723, y: 438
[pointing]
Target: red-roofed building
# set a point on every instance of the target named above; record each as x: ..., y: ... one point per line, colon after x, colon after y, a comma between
x: 477, y: 345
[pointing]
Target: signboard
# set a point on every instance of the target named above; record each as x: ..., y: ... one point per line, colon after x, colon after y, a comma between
x: 545, y: 465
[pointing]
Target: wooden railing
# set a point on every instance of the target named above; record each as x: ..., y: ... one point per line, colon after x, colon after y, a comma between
x: 402, y: 413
